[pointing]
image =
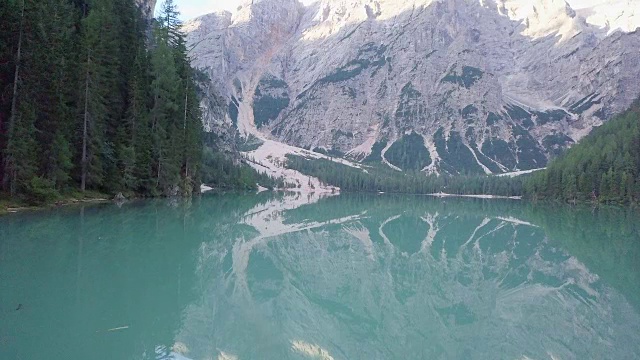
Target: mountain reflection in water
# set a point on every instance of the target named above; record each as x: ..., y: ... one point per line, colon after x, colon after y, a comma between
x: 298, y: 277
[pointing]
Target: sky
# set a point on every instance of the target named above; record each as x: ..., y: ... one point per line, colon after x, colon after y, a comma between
x: 194, y: 8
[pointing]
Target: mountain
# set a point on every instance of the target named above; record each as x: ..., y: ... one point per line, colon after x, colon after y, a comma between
x: 604, y: 166
x: 449, y: 86
x: 147, y: 7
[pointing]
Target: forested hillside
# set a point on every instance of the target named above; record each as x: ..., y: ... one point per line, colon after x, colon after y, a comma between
x: 603, y: 167
x: 93, y: 97
x: 383, y: 179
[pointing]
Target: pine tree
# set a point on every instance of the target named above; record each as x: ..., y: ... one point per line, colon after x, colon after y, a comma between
x: 55, y: 108
x: 605, y: 163
x: 132, y: 121
x: 100, y: 103
x: 10, y: 165
x: 164, y: 111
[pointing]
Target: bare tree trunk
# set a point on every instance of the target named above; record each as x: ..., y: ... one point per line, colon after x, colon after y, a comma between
x: 158, y: 178
x: 156, y: 98
x: 133, y: 120
x: 16, y: 75
x: 186, y: 99
x: 184, y: 127
x: 85, y: 131
x: 14, y: 103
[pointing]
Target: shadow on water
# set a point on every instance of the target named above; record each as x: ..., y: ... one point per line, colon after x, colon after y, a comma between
x: 606, y: 240
x: 232, y: 276
x: 102, y: 281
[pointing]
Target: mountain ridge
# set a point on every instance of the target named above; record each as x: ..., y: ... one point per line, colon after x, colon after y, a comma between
x: 487, y: 93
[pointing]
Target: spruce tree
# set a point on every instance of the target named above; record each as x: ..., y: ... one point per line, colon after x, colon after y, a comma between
x: 90, y: 101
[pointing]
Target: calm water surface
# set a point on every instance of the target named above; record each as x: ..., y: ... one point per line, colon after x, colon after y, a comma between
x: 346, y: 277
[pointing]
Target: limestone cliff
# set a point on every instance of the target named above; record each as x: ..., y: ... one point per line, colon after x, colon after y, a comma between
x: 447, y: 86
x: 147, y: 7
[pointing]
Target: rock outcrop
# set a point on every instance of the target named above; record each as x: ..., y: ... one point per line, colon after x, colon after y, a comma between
x: 448, y: 86
x: 147, y: 7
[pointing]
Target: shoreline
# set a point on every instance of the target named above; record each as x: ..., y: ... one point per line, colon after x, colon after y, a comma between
x: 13, y: 208
x: 444, y: 195
x: 8, y: 207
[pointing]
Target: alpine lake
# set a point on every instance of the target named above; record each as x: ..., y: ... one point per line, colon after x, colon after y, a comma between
x: 291, y: 276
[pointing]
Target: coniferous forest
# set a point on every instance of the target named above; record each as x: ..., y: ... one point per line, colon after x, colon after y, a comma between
x: 94, y: 97
x: 602, y: 167
x: 383, y: 179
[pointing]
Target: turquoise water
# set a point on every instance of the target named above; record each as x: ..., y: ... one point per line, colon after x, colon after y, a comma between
x: 296, y: 277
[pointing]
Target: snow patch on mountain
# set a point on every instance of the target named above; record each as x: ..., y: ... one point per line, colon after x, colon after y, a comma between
x: 621, y: 15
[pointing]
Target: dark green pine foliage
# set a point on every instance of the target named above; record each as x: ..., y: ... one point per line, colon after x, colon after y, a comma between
x: 164, y: 113
x: 11, y: 27
x: 409, y: 153
x: 37, y: 152
x: 603, y: 167
x: 89, y: 102
x: 385, y: 179
x: 175, y: 113
x: 100, y: 107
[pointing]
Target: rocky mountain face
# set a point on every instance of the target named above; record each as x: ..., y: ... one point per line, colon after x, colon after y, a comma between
x: 147, y: 7
x: 444, y: 86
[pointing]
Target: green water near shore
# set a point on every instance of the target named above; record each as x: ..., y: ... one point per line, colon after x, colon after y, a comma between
x: 296, y: 277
